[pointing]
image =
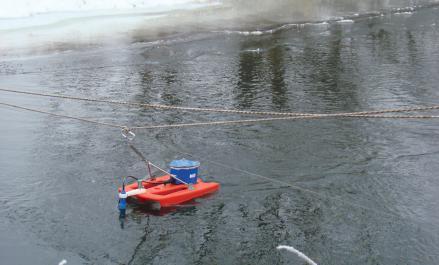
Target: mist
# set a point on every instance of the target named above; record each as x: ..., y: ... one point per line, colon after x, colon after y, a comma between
x: 34, y: 27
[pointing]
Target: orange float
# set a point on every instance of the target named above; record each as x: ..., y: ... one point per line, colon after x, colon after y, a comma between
x: 180, y: 185
x: 170, y: 194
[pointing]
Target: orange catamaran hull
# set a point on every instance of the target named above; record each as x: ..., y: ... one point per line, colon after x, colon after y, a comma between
x: 171, y: 194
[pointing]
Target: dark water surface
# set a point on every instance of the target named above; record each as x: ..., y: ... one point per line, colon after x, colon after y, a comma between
x: 59, y: 177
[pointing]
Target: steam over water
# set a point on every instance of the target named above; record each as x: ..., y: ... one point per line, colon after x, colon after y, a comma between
x: 44, y: 26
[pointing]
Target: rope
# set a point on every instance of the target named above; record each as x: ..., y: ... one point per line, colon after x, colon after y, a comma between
x: 229, y: 122
x: 232, y: 111
x: 305, y: 190
x: 293, y: 186
x: 71, y: 69
x: 63, y: 116
x: 298, y: 253
x: 236, y: 122
x: 215, y: 123
x: 321, y: 196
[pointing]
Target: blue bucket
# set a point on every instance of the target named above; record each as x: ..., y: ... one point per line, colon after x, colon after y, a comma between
x: 185, y: 170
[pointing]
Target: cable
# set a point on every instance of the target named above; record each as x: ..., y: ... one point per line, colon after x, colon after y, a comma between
x: 288, y: 184
x: 63, y: 116
x: 244, y: 112
x: 305, y: 190
x: 226, y: 166
x: 213, y: 123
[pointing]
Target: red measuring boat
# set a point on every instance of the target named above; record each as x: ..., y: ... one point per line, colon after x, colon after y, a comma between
x: 181, y: 185
x: 170, y: 194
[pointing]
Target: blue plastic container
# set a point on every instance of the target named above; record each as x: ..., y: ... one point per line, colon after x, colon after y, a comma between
x: 185, y: 170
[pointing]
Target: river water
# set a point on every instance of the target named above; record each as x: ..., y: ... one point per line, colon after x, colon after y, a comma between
x: 376, y: 181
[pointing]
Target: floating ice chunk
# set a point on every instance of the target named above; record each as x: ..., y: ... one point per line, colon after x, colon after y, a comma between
x: 407, y: 13
x: 345, y: 21
x: 258, y: 50
x: 247, y: 33
x: 324, y: 23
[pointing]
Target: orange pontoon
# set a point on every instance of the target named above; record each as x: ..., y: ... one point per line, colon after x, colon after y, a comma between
x: 180, y: 185
x: 170, y: 194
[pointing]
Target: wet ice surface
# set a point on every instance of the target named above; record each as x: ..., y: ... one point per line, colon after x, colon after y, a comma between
x: 42, y: 26
x: 59, y: 177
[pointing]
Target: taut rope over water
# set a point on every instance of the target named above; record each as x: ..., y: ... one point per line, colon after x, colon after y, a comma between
x: 231, y: 111
x: 127, y: 131
x: 211, y: 123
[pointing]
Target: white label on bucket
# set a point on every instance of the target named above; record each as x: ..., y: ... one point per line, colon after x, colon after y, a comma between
x: 192, y: 176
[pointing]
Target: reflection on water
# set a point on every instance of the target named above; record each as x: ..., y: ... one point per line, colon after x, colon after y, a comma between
x: 68, y: 172
x: 250, y: 70
x: 332, y: 69
x: 278, y: 87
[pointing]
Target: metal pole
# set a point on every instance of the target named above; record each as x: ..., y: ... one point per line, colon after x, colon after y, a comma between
x: 172, y: 176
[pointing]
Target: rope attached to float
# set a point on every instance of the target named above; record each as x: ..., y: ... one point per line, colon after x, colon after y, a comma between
x: 293, y: 186
x: 128, y: 133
